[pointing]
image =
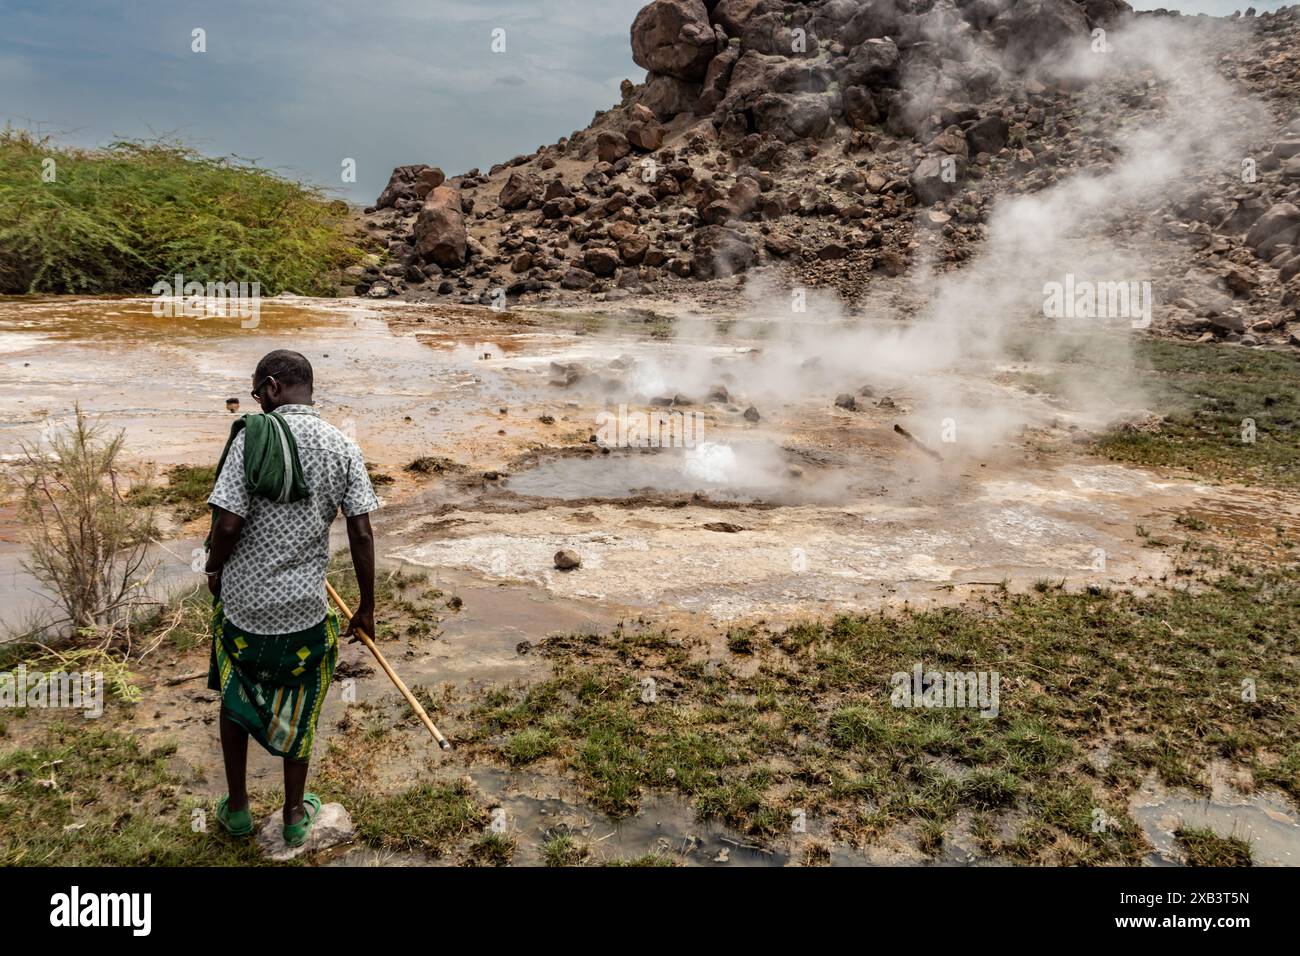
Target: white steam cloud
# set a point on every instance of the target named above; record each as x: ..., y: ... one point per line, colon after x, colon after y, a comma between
x: 945, y: 343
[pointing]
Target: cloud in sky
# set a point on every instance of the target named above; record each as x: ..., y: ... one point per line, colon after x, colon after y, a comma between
x: 300, y: 85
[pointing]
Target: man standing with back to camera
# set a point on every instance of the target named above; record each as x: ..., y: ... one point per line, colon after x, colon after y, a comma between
x: 282, y: 479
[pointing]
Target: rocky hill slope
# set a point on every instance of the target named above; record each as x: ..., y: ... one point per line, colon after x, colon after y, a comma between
x: 851, y: 143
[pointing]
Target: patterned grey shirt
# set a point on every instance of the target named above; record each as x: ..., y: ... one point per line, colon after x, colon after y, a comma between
x: 274, y: 582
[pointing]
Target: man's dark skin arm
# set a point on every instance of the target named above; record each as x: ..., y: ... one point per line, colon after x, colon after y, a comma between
x: 226, y: 529
x: 361, y: 542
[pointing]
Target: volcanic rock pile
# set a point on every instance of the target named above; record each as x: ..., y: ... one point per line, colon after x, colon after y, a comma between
x: 817, y: 137
x: 1242, y: 227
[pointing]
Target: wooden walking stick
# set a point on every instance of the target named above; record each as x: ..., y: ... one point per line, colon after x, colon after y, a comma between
x: 370, y: 643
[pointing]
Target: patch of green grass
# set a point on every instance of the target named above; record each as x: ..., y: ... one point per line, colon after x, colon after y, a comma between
x: 990, y: 789
x: 502, y: 709
x: 492, y: 849
x: 930, y: 837
x: 428, y: 817
x: 744, y: 804
x: 90, y: 797
x: 1207, y: 394
x: 187, y: 490
x: 646, y: 860
x: 121, y: 218
x: 812, y: 726
x: 561, y: 849
x: 1285, y: 774
x: 1204, y: 847
x: 854, y: 726
x: 404, y: 605
x: 609, y: 754
x: 529, y: 745
x: 740, y: 641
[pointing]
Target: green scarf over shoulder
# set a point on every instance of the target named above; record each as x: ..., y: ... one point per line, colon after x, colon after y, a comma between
x: 271, y: 466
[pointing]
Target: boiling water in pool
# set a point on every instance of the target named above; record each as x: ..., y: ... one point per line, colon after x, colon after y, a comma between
x: 742, y: 471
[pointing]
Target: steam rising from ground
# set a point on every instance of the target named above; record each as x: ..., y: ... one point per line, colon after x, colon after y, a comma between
x: 942, y: 343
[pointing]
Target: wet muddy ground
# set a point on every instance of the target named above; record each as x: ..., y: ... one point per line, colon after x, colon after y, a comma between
x: 804, y: 510
x: 812, y: 508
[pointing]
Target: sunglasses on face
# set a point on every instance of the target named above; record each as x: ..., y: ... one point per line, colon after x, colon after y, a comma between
x: 258, y: 387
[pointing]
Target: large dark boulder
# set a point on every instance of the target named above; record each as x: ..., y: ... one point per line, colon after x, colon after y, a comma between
x: 518, y: 191
x: 429, y: 179
x: 987, y: 135
x: 1033, y: 29
x: 871, y: 63
x: 759, y: 74
x: 720, y: 252
x: 770, y: 33
x: 666, y: 96
x: 674, y: 38
x: 860, y: 107
x: 1277, y: 227
x: 716, y: 79
x: 439, y: 229
x: 611, y: 146
x: 1106, y: 13
x: 801, y: 76
x: 875, y: 18
x: 942, y: 25
x: 401, y: 185
x: 838, y: 11
x: 981, y: 13
x: 734, y: 15
x: 791, y: 116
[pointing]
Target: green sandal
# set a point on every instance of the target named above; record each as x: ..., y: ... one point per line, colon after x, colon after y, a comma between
x: 239, y: 823
x: 295, y: 834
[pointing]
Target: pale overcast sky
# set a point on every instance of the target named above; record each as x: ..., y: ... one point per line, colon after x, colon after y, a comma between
x: 300, y: 85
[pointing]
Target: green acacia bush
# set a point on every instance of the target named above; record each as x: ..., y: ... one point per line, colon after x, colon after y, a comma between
x: 120, y: 218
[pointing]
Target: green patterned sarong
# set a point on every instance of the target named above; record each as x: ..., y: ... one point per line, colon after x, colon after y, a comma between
x: 274, y: 685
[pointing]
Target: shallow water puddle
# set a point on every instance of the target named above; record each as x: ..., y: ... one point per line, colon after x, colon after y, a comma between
x: 663, y: 825
x: 724, y: 471
x: 1264, y: 819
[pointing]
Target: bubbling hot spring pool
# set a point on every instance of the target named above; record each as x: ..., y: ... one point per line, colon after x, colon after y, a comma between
x: 742, y: 471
